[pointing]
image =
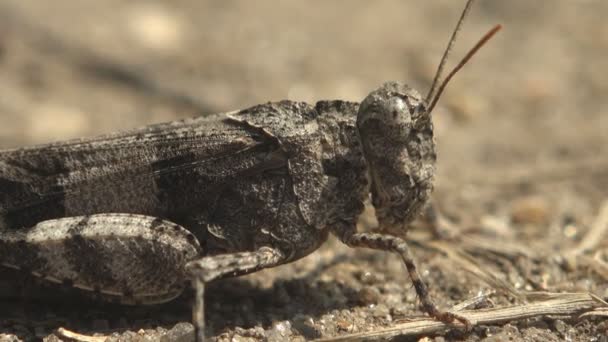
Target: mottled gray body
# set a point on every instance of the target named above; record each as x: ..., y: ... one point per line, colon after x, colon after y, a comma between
x: 260, y: 177
x: 132, y: 216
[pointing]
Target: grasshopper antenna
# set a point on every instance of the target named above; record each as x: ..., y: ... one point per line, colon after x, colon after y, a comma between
x: 433, y: 96
x: 464, y: 61
x: 451, y: 42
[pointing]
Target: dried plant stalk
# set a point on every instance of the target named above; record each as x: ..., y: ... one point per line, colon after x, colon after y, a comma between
x: 570, y: 305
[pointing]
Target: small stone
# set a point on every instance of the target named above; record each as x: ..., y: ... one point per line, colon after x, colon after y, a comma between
x: 530, y: 210
x: 327, y: 325
x: 280, y: 332
x: 129, y: 336
x: 382, y: 311
x: 181, y: 332
x: 9, y: 338
x: 560, y: 326
x: 370, y: 278
x: 344, y: 325
x: 369, y: 295
x: 251, y: 334
x: 305, y: 325
x: 239, y: 338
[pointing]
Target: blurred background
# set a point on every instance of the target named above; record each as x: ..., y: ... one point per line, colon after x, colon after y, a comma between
x: 522, y: 131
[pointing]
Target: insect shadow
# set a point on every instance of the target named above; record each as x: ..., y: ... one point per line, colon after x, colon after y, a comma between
x: 32, y: 306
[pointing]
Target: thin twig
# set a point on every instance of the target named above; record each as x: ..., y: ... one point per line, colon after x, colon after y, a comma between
x: 475, y: 302
x: 63, y: 332
x: 508, y: 249
x: 595, y: 235
x: 590, y: 241
x: 568, y: 305
x: 597, y: 263
x: 468, y: 263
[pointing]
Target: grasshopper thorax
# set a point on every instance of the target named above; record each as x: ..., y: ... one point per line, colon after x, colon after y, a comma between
x: 396, y: 133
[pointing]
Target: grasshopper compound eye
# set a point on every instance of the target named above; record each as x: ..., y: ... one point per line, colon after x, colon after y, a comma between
x: 393, y: 105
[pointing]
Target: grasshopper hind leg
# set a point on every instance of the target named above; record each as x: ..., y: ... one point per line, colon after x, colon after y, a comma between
x: 124, y: 258
x: 214, y: 267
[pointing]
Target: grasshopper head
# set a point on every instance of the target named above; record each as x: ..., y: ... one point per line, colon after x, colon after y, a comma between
x: 396, y: 133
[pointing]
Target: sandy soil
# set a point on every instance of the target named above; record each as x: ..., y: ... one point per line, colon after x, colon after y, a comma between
x: 522, y: 134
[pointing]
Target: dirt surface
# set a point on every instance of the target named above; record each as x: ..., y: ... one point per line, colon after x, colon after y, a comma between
x: 522, y: 134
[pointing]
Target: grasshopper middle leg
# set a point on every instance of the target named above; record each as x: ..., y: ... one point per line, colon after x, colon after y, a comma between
x: 210, y: 268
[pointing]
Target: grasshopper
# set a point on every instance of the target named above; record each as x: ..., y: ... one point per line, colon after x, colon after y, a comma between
x: 133, y: 216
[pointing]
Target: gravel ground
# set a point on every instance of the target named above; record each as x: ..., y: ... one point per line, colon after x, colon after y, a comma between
x: 521, y: 132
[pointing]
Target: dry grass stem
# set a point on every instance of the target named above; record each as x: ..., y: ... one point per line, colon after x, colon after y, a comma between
x: 596, y: 233
x: 74, y: 336
x: 505, y: 248
x: 469, y: 264
x: 589, y: 242
x: 565, y: 305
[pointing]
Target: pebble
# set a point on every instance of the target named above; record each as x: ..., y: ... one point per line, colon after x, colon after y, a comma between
x: 181, y: 332
x: 369, y: 295
x: 344, y: 325
x: 530, y: 210
x: 9, y: 338
x: 560, y: 326
x: 280, y: 331
x: 305, y: 325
